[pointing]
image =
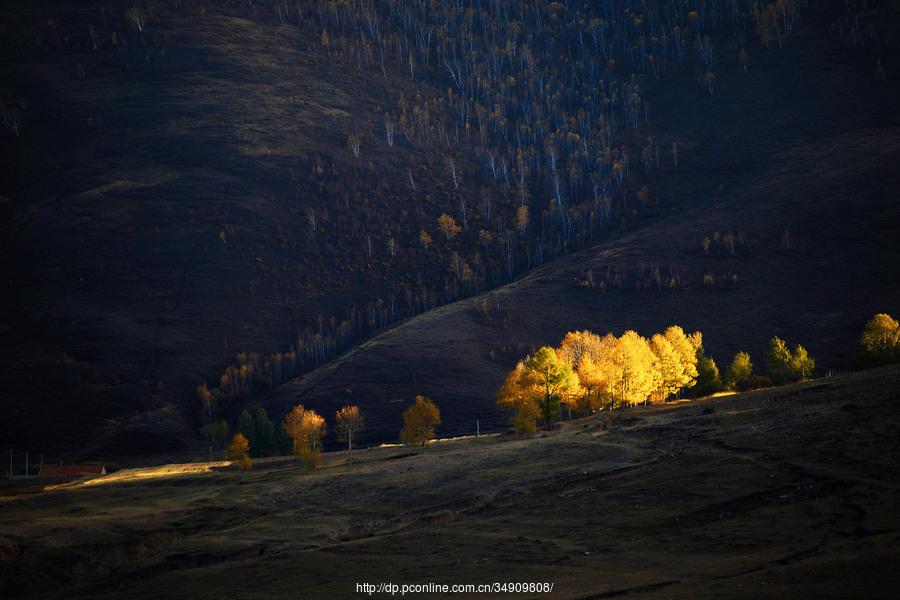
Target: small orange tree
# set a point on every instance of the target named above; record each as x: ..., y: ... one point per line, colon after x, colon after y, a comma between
x: 447, y: 225
x: 419, y: 421
x: 239, y: 452
x: 348, y: 422
x: 306, y: 429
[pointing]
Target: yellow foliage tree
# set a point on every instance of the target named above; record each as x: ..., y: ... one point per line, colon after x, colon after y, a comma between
x: 633, y: 369
x: 686, y: 346
x: 306, y: 429
x: 585, y: 351
x: 880, y: 340
x: 419, y: 421
x: 671, y: 367
x: 515, y: 393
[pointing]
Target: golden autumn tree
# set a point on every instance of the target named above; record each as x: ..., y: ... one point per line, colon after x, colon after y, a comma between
x: 671, y: 367
x: 517, y: 393
x: 306, y: 428
x: 348, y: 421
x: 239, y: 452
x: 585, y: 351
x: 880, y: 340
x: 686, y: 346
x: 419, y: 422
x: 633, y: 369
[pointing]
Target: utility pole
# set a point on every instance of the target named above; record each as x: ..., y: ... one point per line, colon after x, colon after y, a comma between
x: 477, y: 428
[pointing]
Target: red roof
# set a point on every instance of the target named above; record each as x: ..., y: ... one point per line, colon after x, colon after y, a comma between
x: 72, y: 471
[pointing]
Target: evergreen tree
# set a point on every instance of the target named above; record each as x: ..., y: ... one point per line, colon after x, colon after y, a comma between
x: 246, y: 427
x: 264, y: 433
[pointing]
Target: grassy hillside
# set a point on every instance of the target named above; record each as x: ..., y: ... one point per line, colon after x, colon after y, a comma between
x: 806, y: 143
x: 780, y: 493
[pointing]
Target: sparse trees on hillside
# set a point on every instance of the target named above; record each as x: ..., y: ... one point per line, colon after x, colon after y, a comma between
x: 306, y: 429
x: 536, y: 127
x: 419, y: 422
x: 348, y: 422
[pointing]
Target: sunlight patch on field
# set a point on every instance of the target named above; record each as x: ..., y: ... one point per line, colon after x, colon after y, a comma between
x: 173, y: 470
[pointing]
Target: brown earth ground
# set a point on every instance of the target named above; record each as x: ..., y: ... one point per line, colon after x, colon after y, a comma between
x: 784, y: 493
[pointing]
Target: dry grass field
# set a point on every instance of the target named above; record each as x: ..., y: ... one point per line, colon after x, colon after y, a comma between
x: 784, y: 493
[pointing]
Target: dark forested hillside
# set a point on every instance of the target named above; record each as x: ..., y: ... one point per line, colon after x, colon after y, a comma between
x: 202, y: 201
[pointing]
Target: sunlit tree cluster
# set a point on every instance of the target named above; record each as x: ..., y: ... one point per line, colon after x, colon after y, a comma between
x: 588, y: 373
x: 786, y: 366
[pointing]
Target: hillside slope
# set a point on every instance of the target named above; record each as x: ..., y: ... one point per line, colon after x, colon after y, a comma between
x: 185, y: 193
x: 785, y: 493
x: 806, y: 143
x: 194, y: 181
